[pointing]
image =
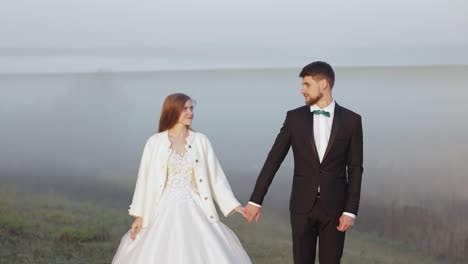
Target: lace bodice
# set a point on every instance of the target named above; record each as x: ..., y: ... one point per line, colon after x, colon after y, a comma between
x: 179, y: 172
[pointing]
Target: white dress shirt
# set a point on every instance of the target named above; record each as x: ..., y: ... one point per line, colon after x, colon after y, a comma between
x: 322, y: 130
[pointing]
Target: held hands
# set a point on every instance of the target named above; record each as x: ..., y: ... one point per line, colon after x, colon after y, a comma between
x: 252, y: 212
x: 346, y: 222
x: 240, y: 209
x: 136, y: 227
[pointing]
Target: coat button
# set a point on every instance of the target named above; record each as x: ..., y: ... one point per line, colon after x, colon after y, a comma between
x: 190, y: 146
x: 196, y: 161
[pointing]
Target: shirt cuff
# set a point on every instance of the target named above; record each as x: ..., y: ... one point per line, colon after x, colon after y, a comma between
x: 254, y: 204
x: 350, y: 215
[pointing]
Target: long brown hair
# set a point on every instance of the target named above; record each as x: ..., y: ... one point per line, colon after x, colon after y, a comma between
x: 172, y: 108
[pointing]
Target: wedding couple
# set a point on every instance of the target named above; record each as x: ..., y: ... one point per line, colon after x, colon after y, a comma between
x: 180, y: 178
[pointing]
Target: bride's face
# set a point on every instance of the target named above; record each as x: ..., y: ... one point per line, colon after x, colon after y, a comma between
x: 186, y: 116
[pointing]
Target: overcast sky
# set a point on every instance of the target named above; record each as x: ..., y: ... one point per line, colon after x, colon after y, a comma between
x: 90, y: 35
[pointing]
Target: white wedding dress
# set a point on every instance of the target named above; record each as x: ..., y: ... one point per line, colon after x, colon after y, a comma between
x: 181, y: 232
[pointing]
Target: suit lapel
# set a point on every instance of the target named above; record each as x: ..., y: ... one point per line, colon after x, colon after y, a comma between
x: 334, y: 129
x: 310, y: 132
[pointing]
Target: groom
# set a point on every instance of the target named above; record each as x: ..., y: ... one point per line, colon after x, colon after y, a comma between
x: 328, y: 153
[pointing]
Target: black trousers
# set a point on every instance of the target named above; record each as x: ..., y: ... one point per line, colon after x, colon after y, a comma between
x: 306, y: 228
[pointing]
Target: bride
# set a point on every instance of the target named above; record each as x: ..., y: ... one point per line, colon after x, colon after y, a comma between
x: 173, y: 204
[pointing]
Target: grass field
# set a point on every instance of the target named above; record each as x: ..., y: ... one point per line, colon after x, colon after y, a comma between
x: 52, y: 228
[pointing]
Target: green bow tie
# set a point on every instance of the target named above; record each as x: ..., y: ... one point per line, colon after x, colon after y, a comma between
x: 321, y: 112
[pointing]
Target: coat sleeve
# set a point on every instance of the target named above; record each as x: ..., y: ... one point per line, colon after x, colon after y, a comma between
x: 275, y: 157
x: 137, y: 206
x: 355, y: 169
x: 219, y: 184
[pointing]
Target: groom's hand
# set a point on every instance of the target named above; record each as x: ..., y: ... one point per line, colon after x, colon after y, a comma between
x: 252, y: 212
x: 346, y: 222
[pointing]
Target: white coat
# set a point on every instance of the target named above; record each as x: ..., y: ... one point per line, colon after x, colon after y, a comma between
x: 210, y: 179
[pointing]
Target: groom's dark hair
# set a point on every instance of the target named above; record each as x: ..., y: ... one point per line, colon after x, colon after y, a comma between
x: 319, y: 69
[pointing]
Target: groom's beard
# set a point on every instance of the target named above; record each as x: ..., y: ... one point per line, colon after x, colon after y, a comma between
x: 312, y: 101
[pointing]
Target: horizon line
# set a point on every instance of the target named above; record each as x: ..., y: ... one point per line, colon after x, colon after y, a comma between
x: 109, y: 70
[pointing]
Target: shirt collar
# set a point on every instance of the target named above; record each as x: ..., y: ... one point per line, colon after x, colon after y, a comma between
x: 330, y: 108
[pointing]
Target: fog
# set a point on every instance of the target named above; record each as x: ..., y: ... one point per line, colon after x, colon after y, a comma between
x: 96, y: 124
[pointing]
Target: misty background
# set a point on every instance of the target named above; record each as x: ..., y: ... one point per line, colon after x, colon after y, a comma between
x: 82, y: 85
x: 98, y: 122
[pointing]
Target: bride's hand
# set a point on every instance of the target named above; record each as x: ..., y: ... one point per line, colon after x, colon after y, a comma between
x: 136, y: 227
x: 240, y: 209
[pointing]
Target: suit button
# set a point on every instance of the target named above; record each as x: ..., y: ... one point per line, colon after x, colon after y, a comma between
x: 211, y: 217
x: 196, y: 161
x: 189, y: 146
x: 206, y: 198
x: 201, y: 180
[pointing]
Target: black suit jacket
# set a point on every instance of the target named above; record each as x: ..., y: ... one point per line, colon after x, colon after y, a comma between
x: 340, y: 173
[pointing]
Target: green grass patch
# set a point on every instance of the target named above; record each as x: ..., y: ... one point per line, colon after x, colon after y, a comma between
x: 52, y: 228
